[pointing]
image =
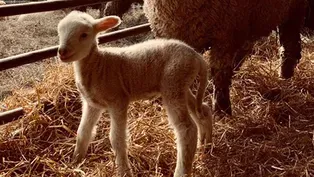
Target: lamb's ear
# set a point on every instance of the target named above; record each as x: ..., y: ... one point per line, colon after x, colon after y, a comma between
x: 106, y: 23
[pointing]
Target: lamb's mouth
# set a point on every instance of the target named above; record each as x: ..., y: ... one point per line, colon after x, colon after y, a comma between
x: 66, y: 58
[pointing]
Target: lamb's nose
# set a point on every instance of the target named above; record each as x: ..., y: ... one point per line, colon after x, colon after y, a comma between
x: 62, y: 51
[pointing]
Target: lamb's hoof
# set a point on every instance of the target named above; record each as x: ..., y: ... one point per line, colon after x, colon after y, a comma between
x: 205, y: 138
x: 77, y: 157
x: 125, y: 172
x: 207, y: 148
x: 206, y: 141
x: 127, y: 175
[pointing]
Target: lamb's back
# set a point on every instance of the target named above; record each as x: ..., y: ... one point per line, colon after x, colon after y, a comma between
x: 144, y: 65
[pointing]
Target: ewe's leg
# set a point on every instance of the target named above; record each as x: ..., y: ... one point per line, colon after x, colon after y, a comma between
x: 241, y: 55
x: 90, y: 115
x: 118, y: 129
x: 221, y: 72
x: 185, y: 131
x: 203, y: 122
x: 289, y: 35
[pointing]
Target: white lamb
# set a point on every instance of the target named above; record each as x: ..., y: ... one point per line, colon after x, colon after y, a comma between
x: 110, y: 78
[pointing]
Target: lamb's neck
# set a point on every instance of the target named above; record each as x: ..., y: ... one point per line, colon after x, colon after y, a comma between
x: 84, y: 67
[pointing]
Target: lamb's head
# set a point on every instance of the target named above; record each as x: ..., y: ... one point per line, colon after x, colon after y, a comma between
x: 78, y: 34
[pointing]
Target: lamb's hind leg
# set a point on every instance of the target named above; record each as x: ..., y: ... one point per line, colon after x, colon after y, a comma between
x: 118, y: 132
x: 90, y: 115
x: 289, y: 35
x: 185, y: 131
x: 203, y: 122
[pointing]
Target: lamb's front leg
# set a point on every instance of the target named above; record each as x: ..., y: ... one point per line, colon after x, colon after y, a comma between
x: 118, y: 132
x: 90, y: 116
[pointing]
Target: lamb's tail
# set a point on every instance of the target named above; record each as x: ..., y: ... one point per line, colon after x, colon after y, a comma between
x: 203, y: 81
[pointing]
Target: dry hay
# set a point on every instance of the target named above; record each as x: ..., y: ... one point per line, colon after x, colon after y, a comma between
x: 270, y: 134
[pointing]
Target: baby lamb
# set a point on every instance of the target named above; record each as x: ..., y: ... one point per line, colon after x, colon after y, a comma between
x: 110, y: 78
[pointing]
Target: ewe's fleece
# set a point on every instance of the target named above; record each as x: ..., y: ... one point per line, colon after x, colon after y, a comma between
x: 230, y: 28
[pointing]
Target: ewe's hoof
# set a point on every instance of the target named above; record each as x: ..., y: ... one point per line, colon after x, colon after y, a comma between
x: 287, y: 70
x: 220, y: 113
x: 273, y: 94
x: 222, y: 103
x: 286, y: 74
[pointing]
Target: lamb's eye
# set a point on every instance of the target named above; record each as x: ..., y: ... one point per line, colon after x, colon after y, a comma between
x: 83, y: 36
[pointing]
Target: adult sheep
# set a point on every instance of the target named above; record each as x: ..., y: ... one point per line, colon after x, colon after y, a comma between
x: 230, y: 28
x: 119, y: 7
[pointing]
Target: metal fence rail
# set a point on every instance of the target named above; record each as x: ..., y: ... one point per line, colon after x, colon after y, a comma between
x: 38, y: 55
x: 15, y: 1
x: 25, y: 8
